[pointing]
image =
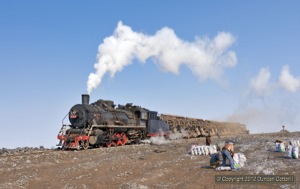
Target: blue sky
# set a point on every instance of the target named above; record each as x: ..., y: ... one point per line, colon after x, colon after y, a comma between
x: 48, y: 50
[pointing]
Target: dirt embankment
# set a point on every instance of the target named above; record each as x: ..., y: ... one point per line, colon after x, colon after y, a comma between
x: 167, y: 165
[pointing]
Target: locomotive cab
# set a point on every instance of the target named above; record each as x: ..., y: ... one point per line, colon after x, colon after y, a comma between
x: 141, y: 117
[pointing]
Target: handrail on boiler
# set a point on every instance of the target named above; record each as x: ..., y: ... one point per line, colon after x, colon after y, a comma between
x: 63, y: 127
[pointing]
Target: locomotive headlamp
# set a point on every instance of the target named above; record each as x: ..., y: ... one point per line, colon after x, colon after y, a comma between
x: 73, y: 115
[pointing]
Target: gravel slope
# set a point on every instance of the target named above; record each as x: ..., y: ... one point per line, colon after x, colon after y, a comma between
x: 167, y: 165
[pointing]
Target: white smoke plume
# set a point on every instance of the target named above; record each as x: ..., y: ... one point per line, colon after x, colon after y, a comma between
x: 159, y: 140
x: 178, y: 135
x: 204, y: 57
x: 260, y: 85
x: 258, y: 119
x: 288, y: 81
x: 265, y: 115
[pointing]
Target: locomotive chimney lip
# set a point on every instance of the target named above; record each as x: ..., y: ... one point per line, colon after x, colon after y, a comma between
x: 85, y: 99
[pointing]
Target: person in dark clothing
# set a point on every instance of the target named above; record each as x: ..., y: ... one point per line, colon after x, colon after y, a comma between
x: 218, y: 135
x: 208, y: 141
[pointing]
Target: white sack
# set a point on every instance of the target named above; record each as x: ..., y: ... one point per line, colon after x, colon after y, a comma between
x: 239, y: 160
x: 282, y: 147
x: 295, y: 152
x: 199, y: 150
x: 289, y: 151
x: 298, y: 143
x: 277, y: 146
x: 223, y: 168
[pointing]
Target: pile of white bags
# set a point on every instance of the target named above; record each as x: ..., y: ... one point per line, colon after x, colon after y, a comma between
x: 292, y: 152
x: 295, y: 143
x: 293, y: 149
x: 295, y: 152
x: 239, y: 160
x: 279, y: 147
x: 289, y: 151
x: 197, y: 150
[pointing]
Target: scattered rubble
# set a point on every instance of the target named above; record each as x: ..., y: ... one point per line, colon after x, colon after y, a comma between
x: 162, y: 165
x: 23, y: 150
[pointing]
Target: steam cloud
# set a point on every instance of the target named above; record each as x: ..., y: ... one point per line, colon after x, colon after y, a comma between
x: 288, y: 81
x: 260, y: 84
x: 204, y: 57
x: 269, y: 116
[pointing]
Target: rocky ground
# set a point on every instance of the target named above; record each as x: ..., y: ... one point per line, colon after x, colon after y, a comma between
x: 158, y: 165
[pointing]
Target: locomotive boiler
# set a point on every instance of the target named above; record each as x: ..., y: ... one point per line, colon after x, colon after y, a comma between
x: 103, y: 124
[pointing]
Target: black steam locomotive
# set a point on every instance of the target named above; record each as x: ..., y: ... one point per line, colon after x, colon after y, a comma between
x: 102, y: 124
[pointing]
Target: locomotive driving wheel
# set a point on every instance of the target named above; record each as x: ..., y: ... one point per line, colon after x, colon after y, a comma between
x: 123, y: 139
x: 110, y: 144
x: 117, y: 139
x: 85, y: 144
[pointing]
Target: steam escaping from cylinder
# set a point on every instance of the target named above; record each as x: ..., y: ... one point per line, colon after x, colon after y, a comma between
x: 205, y: 57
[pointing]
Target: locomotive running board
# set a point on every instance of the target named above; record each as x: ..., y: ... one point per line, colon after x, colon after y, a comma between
x: 118, y: 126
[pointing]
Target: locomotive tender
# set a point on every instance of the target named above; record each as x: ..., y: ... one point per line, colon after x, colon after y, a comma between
x: 102, y: 124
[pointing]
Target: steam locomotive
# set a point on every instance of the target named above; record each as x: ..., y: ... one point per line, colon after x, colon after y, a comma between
x: 103, y: 124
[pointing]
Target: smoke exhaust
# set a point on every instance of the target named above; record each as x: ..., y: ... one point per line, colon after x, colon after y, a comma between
x: 206, y: 58
x: 85, y: 99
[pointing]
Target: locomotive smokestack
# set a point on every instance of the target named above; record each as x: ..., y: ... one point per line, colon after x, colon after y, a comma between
x: 85, y: 99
